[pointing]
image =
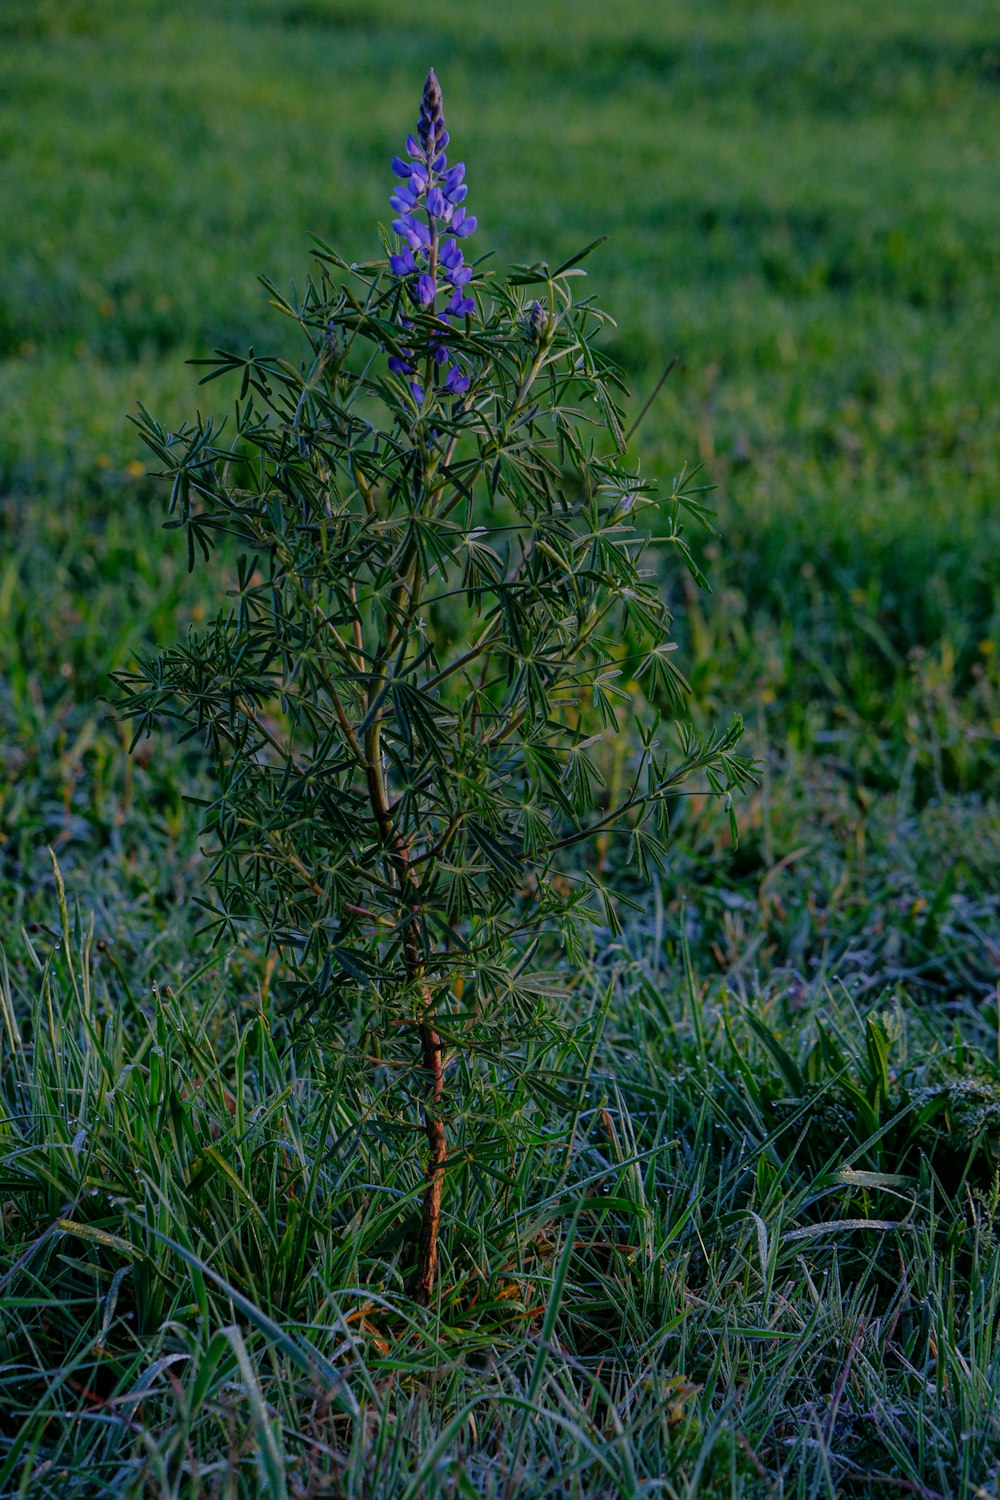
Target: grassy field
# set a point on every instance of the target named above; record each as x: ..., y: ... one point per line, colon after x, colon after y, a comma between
x: 759, y: 1253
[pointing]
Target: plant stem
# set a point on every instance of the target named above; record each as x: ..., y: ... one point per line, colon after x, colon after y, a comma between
x: 430, y: 1214
x: 430, y: 1042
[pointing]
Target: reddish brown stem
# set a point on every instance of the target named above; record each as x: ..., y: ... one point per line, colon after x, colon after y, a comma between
x: 430, y: 1042
x: 430, y: 1215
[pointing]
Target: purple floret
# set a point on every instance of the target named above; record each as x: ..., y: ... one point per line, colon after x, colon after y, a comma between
x: 403, y: 200
x: 402, y: 264
x: 459, y: 306
x: 437, y: 204
x: 456, y: 382
x: 463, y: 224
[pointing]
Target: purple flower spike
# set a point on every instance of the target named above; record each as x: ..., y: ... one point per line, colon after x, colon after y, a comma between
x: 429, y: 197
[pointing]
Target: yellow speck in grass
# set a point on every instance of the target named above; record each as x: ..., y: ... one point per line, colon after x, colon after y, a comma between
x: 103, y: 461
x: 767, y: 695
x: 987, y: 647
x: 135, y: 468
x: 858, y: 596
x: 106, y: 307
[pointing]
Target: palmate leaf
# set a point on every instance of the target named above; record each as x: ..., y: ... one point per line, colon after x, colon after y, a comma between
x: 461, y: 891
x: 646, y: 852
x: 607, y: 695
x: 543, y: 762
x: 689, y: 560
x: 358, y: 964
x: 483, y: 569
x: 582, y: 775
x: 423, y: 721
x: 664, y: 677
x: 502, y: 854
x: 535, y: 832
x: 253, y: 369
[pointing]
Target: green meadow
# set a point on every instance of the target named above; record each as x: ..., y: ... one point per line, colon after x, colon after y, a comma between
x: 755, y: 1249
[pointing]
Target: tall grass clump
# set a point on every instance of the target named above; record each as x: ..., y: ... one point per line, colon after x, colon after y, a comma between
x: 442, y: 609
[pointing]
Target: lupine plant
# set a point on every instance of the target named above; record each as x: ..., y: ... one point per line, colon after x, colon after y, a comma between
x: 444, y: 608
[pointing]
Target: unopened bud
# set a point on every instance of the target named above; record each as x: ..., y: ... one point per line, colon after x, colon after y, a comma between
x: 538, y: 321
x: 431, y: 125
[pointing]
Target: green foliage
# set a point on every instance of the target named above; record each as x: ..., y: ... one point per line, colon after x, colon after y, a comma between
x: 407, y: 704
x: 449, y: 604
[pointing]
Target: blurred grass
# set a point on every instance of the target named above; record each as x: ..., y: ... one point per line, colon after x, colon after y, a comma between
x: 801, y: 202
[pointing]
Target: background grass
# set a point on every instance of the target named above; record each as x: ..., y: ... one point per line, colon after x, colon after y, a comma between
x: 758, y: 1255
